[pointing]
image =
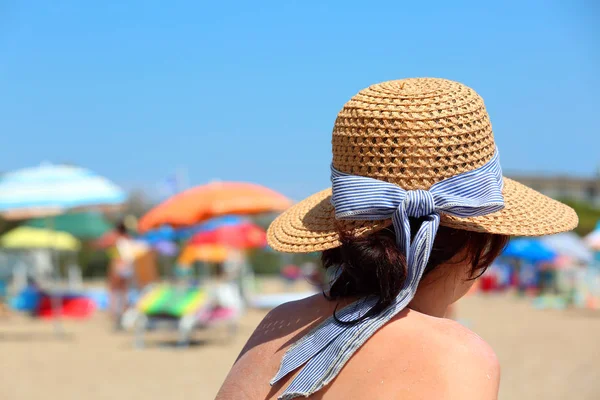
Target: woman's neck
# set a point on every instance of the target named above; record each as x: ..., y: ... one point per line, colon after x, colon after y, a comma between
x: 425, y: 302
x: 439, y: 289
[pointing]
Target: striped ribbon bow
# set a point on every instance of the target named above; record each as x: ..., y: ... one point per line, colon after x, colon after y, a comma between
x: 324, y: 351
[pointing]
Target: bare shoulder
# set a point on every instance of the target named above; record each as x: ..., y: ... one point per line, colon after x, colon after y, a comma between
x: 292, y: 315
x: 447, y: 360
x: 259, y: 359
x: 284, y: 321
x: 470, y: 365
x: 296, y: 307
x: 418, y: 356
x: 465, y: 343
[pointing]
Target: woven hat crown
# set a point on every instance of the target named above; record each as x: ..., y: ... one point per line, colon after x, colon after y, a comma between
x: 413, y: 132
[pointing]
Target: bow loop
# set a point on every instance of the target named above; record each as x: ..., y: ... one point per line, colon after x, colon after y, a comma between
x: 419, y: 203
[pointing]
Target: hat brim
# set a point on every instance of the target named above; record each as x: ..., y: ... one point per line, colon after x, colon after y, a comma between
x: 311, y: 226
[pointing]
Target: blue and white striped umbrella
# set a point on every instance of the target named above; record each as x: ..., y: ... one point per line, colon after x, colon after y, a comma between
x: 52, y: 189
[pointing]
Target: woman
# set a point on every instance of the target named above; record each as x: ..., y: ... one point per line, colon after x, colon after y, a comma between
x: 417, y: 210
x: 121, y: 273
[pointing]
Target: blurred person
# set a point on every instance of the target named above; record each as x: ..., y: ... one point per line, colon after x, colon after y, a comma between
x: 418, y: 210
x: 121, y: 273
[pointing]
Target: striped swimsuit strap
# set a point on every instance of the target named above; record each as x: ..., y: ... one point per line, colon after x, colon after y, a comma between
x: 323, y: 352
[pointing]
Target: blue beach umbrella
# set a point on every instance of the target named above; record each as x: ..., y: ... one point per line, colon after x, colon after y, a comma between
x: 162, y: 234
x: 54, y: 189
x: 167, y: 233
x: 212, y: 224
x: 529, y: 249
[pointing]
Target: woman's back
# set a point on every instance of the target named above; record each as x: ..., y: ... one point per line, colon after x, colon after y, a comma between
x: 414, y: 356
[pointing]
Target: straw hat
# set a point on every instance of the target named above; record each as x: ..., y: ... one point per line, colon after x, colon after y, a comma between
x: 414, y: 133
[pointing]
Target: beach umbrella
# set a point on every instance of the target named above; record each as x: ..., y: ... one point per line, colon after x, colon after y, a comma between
x: 83, y: 225
x: 243, y: 236
x: 204, y: 253
x: 219, y: 222
x: 168, y: 233
x: 529, y: 249
x: 569, y: 244
x: 27, y: 238
x: 162, y: 234
x: 54, y: 189
x: 216, y: 199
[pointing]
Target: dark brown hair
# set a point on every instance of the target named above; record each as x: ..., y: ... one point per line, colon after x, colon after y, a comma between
x: 373, y: 265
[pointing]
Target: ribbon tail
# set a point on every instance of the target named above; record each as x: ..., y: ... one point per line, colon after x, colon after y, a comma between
x: 420, y: 249
x: 320, y: 337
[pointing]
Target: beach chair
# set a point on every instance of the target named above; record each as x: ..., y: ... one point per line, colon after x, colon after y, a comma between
x: 184, y: 309
x: 164, y: 305
x: 223, y: 307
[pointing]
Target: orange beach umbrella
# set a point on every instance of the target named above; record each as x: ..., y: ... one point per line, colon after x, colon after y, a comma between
x: 201, y: 203
x: 205, y: 253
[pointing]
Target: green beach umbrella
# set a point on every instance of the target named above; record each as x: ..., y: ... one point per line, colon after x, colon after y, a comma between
x: 83, y: 225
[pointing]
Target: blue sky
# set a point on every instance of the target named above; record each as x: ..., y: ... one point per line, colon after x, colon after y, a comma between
x: 250, y: 90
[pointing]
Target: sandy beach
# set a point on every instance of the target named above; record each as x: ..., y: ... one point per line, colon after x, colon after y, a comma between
x: 544, y: 355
